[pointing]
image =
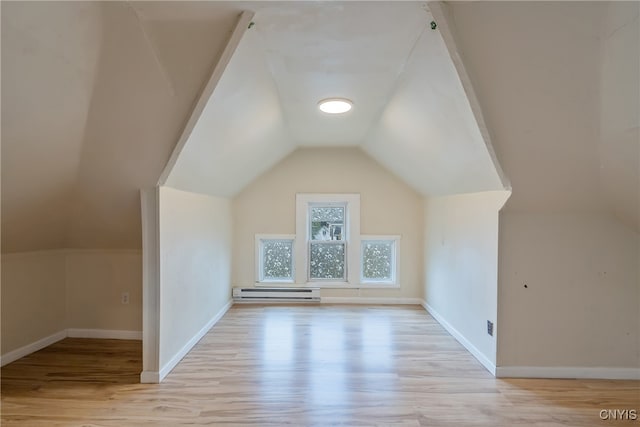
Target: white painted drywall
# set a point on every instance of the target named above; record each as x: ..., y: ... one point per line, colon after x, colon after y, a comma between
x: 33, y: 297
x: 461, y: 265
x: 437, y: 147
x: 535, y: 68
x: 47, y: 292
x: 241, y: 131
x: 355, y: 50
x: 97, y: 95
x: 50, y: 55
x: 580, y: 307
x: 95, y: 281
x: 94, y: 97
x: 141, y: 98
x: 539, y: 70
x: 195, y: 265
x: 619, y: 146
x: 387, y: 206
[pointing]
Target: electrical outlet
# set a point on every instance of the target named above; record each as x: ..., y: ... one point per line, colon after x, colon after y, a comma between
x: 124, y: 298
x: 490, y: 327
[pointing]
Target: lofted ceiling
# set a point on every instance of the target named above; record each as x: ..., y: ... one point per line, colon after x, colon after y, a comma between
x: 49, y: 60
x: 411, y: 112
x: 98, y: 102
x: 318, y: 51
x: 94, y: 96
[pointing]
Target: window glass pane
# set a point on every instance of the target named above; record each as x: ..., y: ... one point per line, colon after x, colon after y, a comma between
x: 330, y: 214
x: 326, y: 261
x: 377, y: 260
x: 277, y: 257
x: 327, y: 223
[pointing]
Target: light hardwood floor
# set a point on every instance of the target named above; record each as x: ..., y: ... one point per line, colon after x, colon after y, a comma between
x: 300, y: 365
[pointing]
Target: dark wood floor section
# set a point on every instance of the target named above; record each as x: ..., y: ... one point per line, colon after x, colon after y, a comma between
x: 300, y: 366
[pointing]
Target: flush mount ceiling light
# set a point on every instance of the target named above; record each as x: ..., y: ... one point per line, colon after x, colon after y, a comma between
x: 335, y: 105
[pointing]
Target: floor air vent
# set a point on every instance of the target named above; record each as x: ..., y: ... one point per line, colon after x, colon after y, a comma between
x: 276, y: 294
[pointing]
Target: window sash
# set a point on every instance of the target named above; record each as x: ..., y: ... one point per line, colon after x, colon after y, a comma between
x: 332, y: 224
x: 343, y: 277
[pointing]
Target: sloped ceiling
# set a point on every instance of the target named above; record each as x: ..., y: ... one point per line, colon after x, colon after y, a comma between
x: 559, y: 83
x: 411, y: 112
x: 50, y: 56
x: 323, y: 50
x: 96, y: 94
x: 428, y: 134
x: 241, y: 131
x: 94, y: 98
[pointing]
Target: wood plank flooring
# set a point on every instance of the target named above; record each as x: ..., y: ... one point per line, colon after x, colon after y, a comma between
x: 299, y: 365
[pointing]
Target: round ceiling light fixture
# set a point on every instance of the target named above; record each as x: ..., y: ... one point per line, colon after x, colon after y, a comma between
x: 335, y: 105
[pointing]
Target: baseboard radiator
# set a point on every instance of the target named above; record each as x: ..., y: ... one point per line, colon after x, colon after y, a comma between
x: 276, y: 294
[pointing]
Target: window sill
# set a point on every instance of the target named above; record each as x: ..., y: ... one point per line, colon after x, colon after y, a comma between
x: 328, y: 285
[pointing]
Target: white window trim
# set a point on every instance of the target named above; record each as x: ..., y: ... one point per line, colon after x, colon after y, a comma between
x: 395, y: 273
x: 259, y: 279
x: 352, y: 238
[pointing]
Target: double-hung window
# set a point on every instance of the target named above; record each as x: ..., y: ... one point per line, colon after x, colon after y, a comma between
x: 327, y: 239
x: 327, y: 247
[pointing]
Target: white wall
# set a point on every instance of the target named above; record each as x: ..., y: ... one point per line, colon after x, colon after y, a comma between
x: 50, y: 54
x: 195, y: 268
x: 557, y: 85
x: 48, y: 292
x: 620, y: 111
x: 535, y: 69
x: 461, y: 267
x: 95, y: 281
x: 580, y: 307
x: 33, y: 297
x: 94, y: 97
x: 387, y: 206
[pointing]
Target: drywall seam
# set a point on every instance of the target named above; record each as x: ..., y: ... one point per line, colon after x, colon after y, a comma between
x: 154, y: 50
x: 239, y: 30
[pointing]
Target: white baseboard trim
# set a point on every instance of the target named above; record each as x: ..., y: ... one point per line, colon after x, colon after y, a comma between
x: 19, y: 353
x: 370, y: 300
x: 569, y: 372
x: 484, y: 360
x: 168, y: 367
x: 71, y: 333
x: 113, y: 334
x: 150, y: 377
